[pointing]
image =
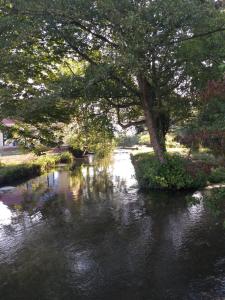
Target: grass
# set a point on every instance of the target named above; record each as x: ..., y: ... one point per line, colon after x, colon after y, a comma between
x: 18, y: 172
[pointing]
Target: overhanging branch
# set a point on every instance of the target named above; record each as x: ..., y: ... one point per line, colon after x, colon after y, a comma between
x: 129, y: 124
x: 198, y: 35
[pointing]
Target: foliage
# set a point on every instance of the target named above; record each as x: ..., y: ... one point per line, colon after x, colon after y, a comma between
x: 217, y: 175
x: 90, y: 134
x: 17, y: 173
x: 204, y: 156
x: 166, y: 48
x: 144, y: 139
x: 65, y: 157
x: 14, y: 173
x: 124, y: 140
x: 171, y: 142
x: 215, y: 200
x: 46, y: 162
x: 173, y: 174
x: 207, y: 128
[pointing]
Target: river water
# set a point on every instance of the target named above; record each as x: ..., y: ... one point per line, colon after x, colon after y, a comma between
x: 90, y: 234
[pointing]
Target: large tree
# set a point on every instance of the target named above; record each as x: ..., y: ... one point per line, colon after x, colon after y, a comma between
x: 145, y: 60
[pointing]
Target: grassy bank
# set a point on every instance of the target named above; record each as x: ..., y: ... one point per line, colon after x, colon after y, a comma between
x: 178, y: 172
x: 12, y: 173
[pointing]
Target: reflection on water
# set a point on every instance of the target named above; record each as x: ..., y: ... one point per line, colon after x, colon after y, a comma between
x: 89, y: 233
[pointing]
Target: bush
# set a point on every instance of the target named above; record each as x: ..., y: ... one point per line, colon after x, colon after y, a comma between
x: 76, y: 152
x: 18, y: 173
x: 215, y: 201
x: 39, y: 149
x: 65, y: 157
x: 15, y: 173
x: 217, y: 175
x: 46, y: 162
x: 171, y: 175
x: 171, y: 142
x: 144, y: 139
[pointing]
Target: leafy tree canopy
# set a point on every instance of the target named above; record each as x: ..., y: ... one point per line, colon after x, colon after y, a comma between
x: 144, y: 61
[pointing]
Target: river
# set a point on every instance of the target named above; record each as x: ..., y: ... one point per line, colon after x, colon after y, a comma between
x: 90, y: 233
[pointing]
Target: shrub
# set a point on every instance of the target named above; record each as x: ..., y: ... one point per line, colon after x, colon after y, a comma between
x: 14, y: 173
x: 144, y: 139
x: 47, y: 162
x: 65, y: 157
x: 18, y: 173
x: 171, y: 142
x: 204, y: 156
x: 217, y: 175
x: 76, y: 152
x: 39, y: 149
x: 215, y: 201
x: 171, y: 175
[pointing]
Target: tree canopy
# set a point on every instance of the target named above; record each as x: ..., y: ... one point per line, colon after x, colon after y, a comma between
x: 144, y: 62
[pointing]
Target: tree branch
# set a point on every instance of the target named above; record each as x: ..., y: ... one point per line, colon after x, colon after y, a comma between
x: 125, y: 126
x: 73, y: 47
x: 97, y: 35
x: 122, y: 105
x: 198, y: 35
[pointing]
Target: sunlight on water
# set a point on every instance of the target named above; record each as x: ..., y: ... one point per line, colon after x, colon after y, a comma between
x: 123, y: 169
x: 5, y: 215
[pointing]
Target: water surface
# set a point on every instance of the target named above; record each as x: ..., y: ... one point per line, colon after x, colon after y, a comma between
x: 90, y: 234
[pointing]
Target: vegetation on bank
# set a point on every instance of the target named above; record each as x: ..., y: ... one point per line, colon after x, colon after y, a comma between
x: 10, y: 174
x: 96, y: 77
x: 215, y: 201
x: 92, y: 136
x: 177, y: 173
x: 86, y: 81
x: 124, y: 140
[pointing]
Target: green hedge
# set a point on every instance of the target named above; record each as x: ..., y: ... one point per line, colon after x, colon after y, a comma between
x: 175, y: 174
x: 10, y: 174
x: 16, y: 173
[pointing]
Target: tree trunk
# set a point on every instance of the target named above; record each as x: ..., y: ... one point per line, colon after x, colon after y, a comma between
x: 154, y: 120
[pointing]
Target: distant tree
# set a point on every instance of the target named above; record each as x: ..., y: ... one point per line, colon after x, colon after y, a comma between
x: 207, y: 128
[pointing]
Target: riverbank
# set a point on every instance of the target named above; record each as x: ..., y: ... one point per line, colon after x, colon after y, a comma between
x: 180, y: 172
x: 19, y: 171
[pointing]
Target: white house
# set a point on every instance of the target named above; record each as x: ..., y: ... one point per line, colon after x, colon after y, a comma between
x: 4, y: 142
